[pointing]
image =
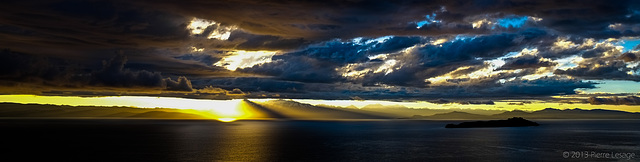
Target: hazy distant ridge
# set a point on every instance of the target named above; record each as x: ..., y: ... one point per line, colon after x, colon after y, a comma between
x: 288, y: 109
x: 63, y: 111
x: 548, y: 113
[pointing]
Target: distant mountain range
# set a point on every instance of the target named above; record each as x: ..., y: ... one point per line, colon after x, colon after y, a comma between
x: 289, y: 109
x: 398, y: 111
x: 548, y: 113
x: 296, y: 110
x: 62, y: 111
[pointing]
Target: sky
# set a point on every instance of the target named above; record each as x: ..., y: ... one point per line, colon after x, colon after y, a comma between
x: 439, y: 51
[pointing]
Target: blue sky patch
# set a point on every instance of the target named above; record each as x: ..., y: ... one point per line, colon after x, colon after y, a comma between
x: 629, y: 44
x: 513, y: 21
x: 429, y: 19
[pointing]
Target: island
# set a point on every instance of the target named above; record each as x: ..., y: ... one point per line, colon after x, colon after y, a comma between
x: 511, y: 122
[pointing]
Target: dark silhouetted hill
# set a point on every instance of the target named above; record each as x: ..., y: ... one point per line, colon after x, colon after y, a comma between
x: 511, y: 122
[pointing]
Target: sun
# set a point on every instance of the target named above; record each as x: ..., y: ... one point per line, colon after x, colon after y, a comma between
x: 227, y: 119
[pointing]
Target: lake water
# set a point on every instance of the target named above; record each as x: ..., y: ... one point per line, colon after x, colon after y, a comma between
x: 378, y: 140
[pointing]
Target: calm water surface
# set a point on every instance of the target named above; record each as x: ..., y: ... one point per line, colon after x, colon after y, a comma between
x: 382, y: 140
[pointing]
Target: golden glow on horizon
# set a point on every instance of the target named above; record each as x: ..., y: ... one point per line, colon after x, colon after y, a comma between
x: 232, y: 111
x: 236, y: 109
x: 244, y: 59
x: 208, y: 108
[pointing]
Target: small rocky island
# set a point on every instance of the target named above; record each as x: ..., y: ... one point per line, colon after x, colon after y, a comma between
x: 511, y: 122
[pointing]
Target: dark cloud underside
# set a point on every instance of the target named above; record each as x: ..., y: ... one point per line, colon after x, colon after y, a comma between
x: 372, y: 49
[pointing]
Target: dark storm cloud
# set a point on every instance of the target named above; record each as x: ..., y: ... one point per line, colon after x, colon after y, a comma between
x: 526, y: 62
x: 316, y: 45
x: 298, y: 68
x: 87, y: 25
x: 308, y: 19
x: 288, y: 25
x: 335, y: 51
x: 489, y: 46
x: 586, y: 18
x: 25, y: 68
x: 206, y: 59
x: 346, y: 51
x: 15, y: 66
x: 435, y: 60
x: 372, y: 18
x: 520, y: 88
x: 615, y: 100
x: 113, y: 73
x: 87, y: 32
x: 394, y: 44
x: 629, y: 57
x: 616, y: 70
x: 599, y: 51
x: 612, y: 66
x: 542, y: 86
x: 319, y: 63
x: 248, y: 41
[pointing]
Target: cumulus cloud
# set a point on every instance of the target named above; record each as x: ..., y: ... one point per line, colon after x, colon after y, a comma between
x: 113, y: 73
x: 182, y: 84
x: 235, y: 91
